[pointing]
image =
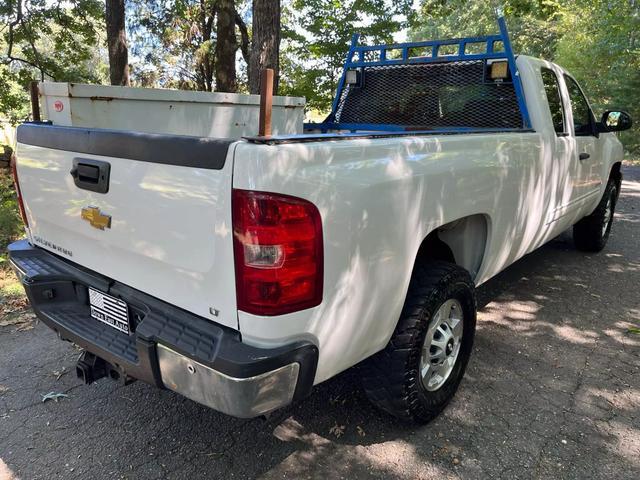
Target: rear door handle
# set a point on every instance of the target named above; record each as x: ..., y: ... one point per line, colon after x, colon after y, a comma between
x: 584, y: 156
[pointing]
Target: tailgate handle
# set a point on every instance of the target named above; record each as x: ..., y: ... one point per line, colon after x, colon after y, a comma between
x: 91, y: 174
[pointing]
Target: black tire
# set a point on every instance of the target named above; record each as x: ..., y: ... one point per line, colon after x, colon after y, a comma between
x: 391, y: 378
x: 592, y: 232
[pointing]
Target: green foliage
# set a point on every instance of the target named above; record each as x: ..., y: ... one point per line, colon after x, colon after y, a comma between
x: 601, y: 49
x: 10, y: 222
x: 183, y: 29
x: 317, y: 35
x: 10, y: 229
x: 14, y: 101
x: 533, y: 24
x: 176, y: 39
x: 596, y: 40
x: 41, y: 39
x: 173, y: 43
x: 54, y: 37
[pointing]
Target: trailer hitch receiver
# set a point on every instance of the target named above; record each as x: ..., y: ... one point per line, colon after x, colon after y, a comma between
x: 91, y: 368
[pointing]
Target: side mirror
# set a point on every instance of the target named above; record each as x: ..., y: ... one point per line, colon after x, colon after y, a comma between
x: 615, y: 121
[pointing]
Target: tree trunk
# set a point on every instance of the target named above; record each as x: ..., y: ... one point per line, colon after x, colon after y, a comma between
x: 226, y: 47
x: 265, y: 45
x: 205, y: 65
x: 244, y: 38
x: 117, y: 42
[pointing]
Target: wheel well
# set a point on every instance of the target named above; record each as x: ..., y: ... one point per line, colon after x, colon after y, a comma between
x: 462, y: 242
x: 432, y: 248
x: 616, y: 174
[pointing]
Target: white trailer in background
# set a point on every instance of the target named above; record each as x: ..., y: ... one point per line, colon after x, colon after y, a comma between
x: 176, y: 112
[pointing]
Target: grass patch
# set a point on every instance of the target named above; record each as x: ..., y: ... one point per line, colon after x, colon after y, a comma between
x: 12, y: 297
x: 11, y: 287
x: 10, y: 222
x: 13, y: 302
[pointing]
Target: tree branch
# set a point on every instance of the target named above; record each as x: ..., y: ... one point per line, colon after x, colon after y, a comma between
x: 36, y: 55
x: 244, y: 34
x: 11, y: 27
x: 19, y: 20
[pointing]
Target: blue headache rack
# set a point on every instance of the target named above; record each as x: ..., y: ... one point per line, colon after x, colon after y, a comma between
x: 455, y: 85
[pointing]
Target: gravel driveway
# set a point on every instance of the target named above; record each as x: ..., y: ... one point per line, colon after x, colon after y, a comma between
x: 552, y: 391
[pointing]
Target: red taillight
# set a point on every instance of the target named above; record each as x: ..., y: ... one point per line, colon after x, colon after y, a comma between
x: 14, y: 171
x: 278, y: 252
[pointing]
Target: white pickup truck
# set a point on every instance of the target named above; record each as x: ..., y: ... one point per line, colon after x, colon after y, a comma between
x: 240, y: 272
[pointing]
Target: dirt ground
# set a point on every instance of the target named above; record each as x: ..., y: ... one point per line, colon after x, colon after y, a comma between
x: 552, y: 391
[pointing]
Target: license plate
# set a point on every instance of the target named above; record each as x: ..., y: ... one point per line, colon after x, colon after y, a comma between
x: 109, y: 310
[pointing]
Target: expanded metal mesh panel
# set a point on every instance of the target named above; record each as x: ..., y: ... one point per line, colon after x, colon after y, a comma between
x: 430, y: 95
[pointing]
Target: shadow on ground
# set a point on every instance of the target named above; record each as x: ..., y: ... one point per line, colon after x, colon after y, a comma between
x: 552, y: 391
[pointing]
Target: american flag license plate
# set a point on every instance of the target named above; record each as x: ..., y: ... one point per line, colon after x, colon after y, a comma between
x: 109, y: 310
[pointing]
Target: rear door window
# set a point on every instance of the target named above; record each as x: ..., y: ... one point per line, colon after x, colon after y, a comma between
x: 552, y: 90
x: 582, y: 116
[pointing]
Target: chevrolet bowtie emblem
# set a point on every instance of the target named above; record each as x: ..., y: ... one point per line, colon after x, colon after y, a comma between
x: 95, y: 218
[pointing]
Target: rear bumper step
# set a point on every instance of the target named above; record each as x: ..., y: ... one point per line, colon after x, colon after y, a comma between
x: 169, y: 347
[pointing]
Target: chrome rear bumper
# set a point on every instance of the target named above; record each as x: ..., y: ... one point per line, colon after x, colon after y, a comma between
x: 167, y: 347
x: 239, y: 397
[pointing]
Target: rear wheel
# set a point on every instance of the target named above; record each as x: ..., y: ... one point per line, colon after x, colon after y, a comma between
x: 419, y: 371
x: 592, y: 232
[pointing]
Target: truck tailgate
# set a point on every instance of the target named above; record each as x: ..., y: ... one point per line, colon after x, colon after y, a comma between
x: 164, y: 224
